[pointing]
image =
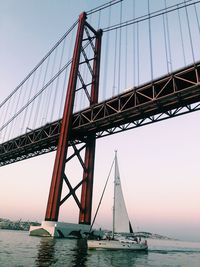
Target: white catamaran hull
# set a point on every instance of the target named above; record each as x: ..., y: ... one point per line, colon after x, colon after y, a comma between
x: 115, y: 245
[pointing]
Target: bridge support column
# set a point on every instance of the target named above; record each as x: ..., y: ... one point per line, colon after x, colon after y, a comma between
x: 54, y: 200
x: 88, y: 175
x: 87, y: 186
x: 53, y: 204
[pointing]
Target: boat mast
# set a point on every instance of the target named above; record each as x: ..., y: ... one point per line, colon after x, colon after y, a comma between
x: 104, y: 189
x: 113, y: 228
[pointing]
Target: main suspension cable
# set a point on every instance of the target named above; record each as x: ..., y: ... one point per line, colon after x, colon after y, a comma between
x: 39, y: 92
x: 152, y: 15
x: 106, y: 5
x: 33, y: 98
x: 39, y: 64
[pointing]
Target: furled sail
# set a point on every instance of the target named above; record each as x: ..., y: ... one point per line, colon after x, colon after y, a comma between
x: 121, y: 223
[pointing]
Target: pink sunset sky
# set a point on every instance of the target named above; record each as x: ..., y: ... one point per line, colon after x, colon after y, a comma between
x: 159, y: 163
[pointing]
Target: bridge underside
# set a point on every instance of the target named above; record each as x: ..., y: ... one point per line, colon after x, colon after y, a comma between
x: 169, y: 96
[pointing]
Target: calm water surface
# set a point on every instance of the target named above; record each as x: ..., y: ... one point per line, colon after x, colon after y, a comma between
x: 19, y: 249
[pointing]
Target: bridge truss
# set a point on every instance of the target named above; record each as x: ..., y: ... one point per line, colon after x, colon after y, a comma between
x: 170, y: 96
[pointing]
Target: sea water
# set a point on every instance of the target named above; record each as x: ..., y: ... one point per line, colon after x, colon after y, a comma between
x: 18, y: 249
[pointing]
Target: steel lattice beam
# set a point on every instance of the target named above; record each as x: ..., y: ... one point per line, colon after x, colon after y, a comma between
x: 169, y: 96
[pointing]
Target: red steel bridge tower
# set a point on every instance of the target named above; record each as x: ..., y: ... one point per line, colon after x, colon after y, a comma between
x: 86, y: 36
x: 173, y: 93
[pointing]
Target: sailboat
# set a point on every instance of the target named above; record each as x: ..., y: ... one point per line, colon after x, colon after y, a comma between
x: 122, y: 233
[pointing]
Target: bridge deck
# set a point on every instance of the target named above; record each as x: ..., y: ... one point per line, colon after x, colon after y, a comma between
x: 166, y: 97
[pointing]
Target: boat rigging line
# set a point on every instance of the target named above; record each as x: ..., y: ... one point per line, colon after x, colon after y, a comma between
x: 102, y: 196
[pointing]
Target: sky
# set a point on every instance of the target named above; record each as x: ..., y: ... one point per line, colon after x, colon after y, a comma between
x: 159, y: 163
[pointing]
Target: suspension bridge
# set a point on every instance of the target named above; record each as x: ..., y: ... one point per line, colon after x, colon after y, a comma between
x: 130, y: 67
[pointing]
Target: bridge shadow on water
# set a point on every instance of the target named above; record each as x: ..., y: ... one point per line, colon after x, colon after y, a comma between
x: 46, y: 252
x: 117, y: 258
x: 74, y: 253
x: 61, y: 252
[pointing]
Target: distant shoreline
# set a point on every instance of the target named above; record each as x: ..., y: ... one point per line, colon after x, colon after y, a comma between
x: 6, y: 224
x: 153, y: 236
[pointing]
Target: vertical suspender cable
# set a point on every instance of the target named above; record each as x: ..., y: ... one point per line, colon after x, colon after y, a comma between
x: 138, y: 56
x: 62, y: 94
x: 165, y: 38
x: 50, y: 89
x: 26, y: 111
x: 66, y: 74
x: 99, y: 19
x: 181, y: 33
x: 13, y: 125
x: 115, y: 62
x: 120, y: 44
x: 189, y: 30
x: 134, y: 56
x: 63, y: 90
x: 10, y: 111
x: 168, y: 38
x: 23, y: 103
x: 6, y: 113
x: 45, y: 94
x: 29, y: 96
x: 6, y: 110
x: 106, y: 58
x: 195, y: 9
x: 39, y: 64
x: 34, y: 97
x: 64, y: 84
x: 150, y: 43
x: 47, y: 91
x: 38, y: 103
x: 126, y: 56
x: 57, y: 82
